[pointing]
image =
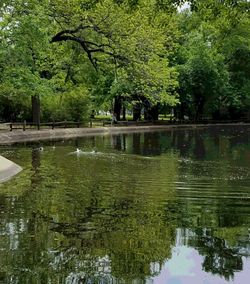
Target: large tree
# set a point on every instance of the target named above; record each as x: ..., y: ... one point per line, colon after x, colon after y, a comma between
x: 210, y: 74
x: 131, y: 45
x: 128, y: 40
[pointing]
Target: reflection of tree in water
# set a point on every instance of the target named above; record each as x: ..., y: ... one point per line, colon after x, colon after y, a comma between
x: 219, y: 258
x: 117, y: 142
x: 199, y: 147
x: 194, y: 143
x: 115, y: 233
x: 116, y: 219
x: 83, y: 229
x: 35, y: 166
x: 126, y: 225
x: 148, y: 144
x: 151, y: 144
x: 219, y: 245
x: 130, y: 242
x: 181, y: 141
x: 136, y: 146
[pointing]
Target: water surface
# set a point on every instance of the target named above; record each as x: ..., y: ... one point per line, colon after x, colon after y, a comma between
x: 156, y: 207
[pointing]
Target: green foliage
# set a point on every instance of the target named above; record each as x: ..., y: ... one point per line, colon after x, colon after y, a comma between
x: 141, y: 52
x: 73, y: 105
x: 203, y: 76
x: 214, y: 81
x: 77, y: 104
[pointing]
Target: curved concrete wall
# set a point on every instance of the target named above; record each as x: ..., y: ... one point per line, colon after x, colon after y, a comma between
x: 8, y: 169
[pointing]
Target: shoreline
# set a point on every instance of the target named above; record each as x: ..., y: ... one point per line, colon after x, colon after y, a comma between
x: 19, y: 136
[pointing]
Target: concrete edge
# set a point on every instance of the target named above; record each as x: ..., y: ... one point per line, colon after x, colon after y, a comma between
x: 8, y: 169
x: 18, y: 136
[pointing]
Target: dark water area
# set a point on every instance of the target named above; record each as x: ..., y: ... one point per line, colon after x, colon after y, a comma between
x: 157, y: 207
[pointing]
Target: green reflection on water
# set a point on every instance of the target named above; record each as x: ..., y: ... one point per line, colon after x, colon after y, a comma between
x: 113, y: 215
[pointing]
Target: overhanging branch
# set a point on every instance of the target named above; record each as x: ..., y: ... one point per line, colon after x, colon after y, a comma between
x: 89, y: 47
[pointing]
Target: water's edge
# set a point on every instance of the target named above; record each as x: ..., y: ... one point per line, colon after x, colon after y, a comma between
x: 8, y: 138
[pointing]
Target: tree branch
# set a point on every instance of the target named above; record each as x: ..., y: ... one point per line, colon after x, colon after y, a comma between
x: 69, y: 35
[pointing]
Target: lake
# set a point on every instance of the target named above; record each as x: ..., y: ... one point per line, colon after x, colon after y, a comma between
x: 155, y: 207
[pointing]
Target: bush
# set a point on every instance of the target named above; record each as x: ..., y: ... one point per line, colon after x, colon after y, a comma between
x: 71, y: 106
x: 14, y: 106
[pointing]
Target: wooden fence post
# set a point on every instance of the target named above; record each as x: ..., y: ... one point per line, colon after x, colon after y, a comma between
x: 11, y: 126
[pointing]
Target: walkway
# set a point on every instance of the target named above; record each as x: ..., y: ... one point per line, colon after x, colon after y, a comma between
x: 7, y: 137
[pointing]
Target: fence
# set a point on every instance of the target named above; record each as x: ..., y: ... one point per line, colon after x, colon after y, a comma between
x: 93, y: 123
x: 62, y: 124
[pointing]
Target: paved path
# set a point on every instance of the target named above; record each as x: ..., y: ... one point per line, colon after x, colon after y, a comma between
x: 49, y: 134
x: 7, y: 137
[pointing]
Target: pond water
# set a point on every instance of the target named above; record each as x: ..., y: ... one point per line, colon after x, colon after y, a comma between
x: 155, y: 207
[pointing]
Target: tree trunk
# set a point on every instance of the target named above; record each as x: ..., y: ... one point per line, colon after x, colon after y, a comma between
x: 151, y: 113
x: 181, y: 110
x: 199, y: 109
x: 35, y: 100
x: 117, y: 107
x: 136, y: 112
x: 155, y: 112
x: 123, y: 113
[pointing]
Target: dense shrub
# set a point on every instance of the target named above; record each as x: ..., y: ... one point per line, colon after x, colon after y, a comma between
x: 71, y: 106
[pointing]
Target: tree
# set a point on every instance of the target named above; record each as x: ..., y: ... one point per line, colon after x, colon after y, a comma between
x: 129, y: 42
x: 220, y: 28
x: 203, y: 79
x: 23, y: 33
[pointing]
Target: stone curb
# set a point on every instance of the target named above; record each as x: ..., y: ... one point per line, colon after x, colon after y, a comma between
x: 7, y: 138
x: 8, y: 169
